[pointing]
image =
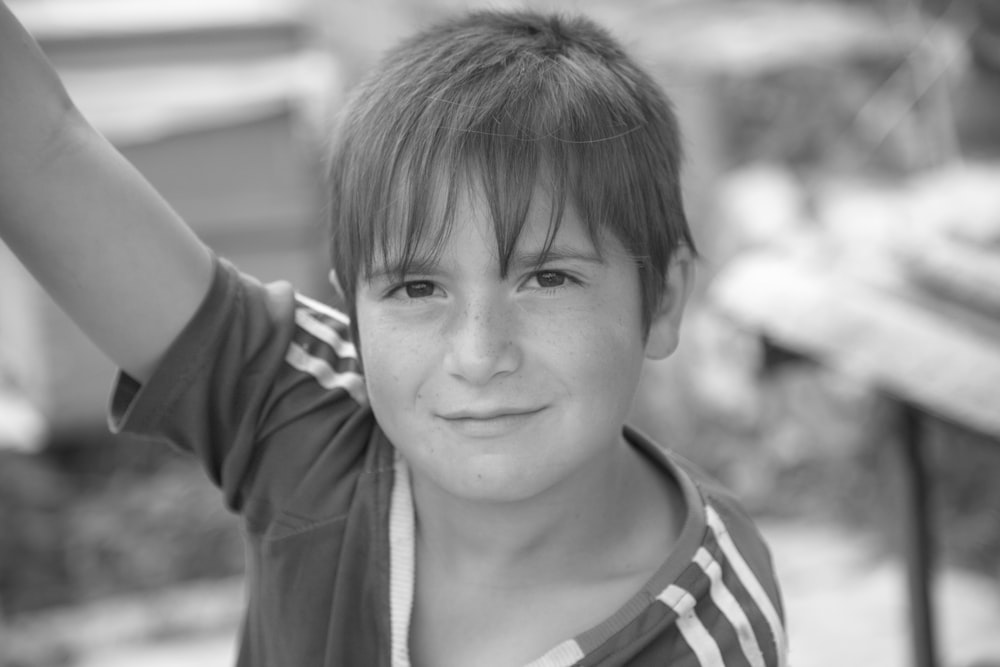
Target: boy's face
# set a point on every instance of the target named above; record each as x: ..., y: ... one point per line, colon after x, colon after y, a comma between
x: 500, y: 389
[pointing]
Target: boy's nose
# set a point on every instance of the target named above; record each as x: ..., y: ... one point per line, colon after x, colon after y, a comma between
x: 482, y: 342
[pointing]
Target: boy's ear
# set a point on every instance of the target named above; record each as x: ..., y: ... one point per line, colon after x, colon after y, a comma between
x: 664, y: 329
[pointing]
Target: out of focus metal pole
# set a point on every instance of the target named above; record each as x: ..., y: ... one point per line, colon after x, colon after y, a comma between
x: 918, y: 537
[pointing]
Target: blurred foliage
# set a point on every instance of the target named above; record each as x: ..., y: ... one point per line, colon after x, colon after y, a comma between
x: 966, y: 467
x: 824, y: 448
x: 102, y: 515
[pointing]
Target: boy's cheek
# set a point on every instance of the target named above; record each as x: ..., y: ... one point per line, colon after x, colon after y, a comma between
x: 393, y: 357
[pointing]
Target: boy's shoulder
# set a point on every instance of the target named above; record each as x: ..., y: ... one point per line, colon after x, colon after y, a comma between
x: 712, y: 490
x: 718, y: 512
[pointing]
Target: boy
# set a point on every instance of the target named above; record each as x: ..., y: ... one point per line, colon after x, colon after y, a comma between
x: 508, y: 236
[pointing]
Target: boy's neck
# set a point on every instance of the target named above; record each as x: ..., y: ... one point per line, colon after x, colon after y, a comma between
x: 569, y: 530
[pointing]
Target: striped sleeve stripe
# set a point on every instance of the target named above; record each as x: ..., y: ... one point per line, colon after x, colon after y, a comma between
x: 321, y: 349
x: 297, y: 357
x: 322, y: 308
x: 308, y: 322
x: 726, y: 602
x: 749, y: 581
x: 698, y: 638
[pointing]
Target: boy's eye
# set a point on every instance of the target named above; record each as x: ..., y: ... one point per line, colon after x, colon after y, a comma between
x: 549, y: 279
x: 417, y: 289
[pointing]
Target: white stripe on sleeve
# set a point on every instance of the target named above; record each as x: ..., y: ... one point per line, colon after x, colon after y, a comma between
x: 325, y: 333
x: 750, y: 582
x: 692, y: 629
x: 354, y: 383
x: 730, y: 608
x: 323, y: 308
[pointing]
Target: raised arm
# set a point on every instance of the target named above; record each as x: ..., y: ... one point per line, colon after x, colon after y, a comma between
x: 90, y: 228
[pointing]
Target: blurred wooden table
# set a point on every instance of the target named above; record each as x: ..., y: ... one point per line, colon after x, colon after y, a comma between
x: 933, y: 358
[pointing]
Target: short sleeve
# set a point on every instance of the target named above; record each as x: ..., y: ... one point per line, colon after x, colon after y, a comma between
x: 263, y: 386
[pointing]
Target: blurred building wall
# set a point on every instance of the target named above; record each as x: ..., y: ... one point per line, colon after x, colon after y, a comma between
x: 214, y: 103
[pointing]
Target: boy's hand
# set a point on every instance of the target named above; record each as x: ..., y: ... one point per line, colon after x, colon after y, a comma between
x: 96, y: 235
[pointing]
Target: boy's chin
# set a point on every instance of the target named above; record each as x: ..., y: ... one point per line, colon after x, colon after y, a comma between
x: 482, y: 483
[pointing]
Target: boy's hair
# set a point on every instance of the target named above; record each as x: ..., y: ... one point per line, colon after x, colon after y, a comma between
x: 504, y: 102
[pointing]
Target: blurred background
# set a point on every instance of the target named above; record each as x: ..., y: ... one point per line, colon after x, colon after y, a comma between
x: 843, y: 182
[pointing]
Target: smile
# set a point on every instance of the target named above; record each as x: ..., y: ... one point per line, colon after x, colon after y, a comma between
x: 489, y: 423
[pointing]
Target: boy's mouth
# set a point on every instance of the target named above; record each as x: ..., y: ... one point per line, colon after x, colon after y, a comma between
x: 488, y: 422
x: 487, y: 413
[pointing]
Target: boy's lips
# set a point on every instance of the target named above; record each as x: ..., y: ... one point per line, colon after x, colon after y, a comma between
x: 489, y: 422
x: 473, y: 414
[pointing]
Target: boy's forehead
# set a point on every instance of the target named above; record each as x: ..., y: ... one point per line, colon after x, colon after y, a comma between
x: 531, y: 235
